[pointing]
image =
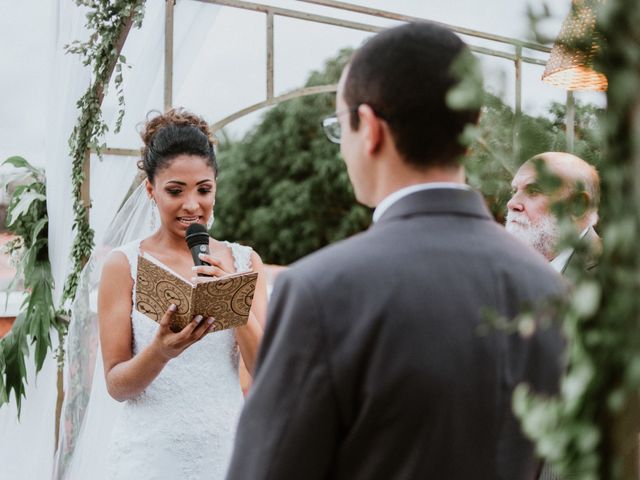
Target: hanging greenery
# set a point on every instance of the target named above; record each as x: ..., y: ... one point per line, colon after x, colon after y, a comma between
x: 108, y: 21
x: 590, y: 431
x: 27, y: 219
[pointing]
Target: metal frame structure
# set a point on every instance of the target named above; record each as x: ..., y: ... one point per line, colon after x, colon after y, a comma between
x: 271, y: 12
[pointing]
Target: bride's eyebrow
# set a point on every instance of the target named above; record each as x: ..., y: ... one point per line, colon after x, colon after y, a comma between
x: 184, y: 184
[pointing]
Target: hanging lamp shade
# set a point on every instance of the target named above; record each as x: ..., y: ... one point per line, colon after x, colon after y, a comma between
x: 570, y: 64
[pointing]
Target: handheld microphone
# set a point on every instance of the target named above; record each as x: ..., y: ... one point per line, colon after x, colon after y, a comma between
x: 198, y: 241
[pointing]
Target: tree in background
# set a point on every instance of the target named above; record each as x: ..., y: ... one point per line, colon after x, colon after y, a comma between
x: 284, y: 189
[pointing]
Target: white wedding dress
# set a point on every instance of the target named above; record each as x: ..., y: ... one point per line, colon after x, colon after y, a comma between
x: 182, y: 426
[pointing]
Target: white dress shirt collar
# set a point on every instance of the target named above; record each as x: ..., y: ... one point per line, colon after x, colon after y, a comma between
x: 559, y: 263
x: 384, y: 205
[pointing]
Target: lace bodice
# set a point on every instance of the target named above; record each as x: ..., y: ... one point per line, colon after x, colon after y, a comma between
x: 183, y: 424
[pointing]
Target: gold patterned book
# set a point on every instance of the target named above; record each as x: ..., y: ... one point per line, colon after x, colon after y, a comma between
x: 227, y: 299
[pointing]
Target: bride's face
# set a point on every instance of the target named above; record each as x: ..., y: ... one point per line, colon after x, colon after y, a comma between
x: 184, y: 191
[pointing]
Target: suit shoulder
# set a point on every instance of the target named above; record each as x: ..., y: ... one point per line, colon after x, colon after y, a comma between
x: 347, y: 252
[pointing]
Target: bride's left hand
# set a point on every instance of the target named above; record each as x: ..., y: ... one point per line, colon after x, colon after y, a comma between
x: 214, y: 270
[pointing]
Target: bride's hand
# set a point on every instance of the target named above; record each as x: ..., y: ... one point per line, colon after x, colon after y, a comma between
x: 214, y: 270
x: 169, y: 344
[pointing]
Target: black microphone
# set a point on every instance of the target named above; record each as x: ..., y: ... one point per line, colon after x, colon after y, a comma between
x: 198, y: 241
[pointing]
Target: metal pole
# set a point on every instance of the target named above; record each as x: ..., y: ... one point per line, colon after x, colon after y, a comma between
x: 269, y: 54
x: 85, y: 194
x: 518, y: 106
x: 168, y: 55
x: 570, y: 120
x: 408, y: 18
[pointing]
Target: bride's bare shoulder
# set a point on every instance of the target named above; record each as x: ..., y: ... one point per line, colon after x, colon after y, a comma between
x: 116, y: 266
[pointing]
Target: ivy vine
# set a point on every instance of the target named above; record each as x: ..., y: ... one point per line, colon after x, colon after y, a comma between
x: 108, y: 21
x: 590, y: 430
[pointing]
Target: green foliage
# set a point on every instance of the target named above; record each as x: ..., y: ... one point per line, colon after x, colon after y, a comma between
x: 106, y: 20
x: 590, y: 430
x: 502, y: 142
x: 27, y: 218
x: 284, y: 189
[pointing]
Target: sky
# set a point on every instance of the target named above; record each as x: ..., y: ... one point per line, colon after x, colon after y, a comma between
x: 229, y: 71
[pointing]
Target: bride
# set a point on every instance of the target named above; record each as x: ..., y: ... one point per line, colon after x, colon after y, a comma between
x: 181, y: 391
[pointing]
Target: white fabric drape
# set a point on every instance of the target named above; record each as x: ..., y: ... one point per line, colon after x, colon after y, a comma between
x: 27, y: 447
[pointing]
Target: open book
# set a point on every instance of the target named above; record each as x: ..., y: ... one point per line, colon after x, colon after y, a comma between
x: 227, y: 299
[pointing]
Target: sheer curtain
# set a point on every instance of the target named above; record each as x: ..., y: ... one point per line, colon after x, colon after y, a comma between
x: 27, y: 447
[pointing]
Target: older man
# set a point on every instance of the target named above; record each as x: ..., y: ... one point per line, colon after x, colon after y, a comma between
x: 530, y: 216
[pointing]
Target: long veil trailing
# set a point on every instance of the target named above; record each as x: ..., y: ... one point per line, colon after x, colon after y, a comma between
x: 88, y: 410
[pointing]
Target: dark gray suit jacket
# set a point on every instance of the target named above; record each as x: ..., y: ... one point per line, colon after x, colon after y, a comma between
x: 373, y: 366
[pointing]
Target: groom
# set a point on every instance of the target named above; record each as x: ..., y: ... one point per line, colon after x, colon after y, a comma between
x: 373, y: 364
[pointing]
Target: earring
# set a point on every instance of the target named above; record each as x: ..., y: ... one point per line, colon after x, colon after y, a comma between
x: 153, y: 220
x: 210, y: 222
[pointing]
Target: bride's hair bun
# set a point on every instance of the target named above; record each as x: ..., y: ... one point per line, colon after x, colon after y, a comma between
x: 173, y: 133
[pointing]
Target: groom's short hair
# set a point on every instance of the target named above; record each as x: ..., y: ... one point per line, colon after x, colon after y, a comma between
x: 404, y: 74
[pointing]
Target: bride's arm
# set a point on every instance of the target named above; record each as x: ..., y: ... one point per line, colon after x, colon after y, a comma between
x: 128, y: 375
x: 250, y: 335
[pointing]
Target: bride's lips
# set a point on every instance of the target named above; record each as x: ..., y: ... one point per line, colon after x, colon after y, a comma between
x: 189, y: 220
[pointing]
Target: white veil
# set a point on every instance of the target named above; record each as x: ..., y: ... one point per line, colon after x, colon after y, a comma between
x: 88, y: 410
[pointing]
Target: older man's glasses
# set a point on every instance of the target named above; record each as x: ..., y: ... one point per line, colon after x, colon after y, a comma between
x: 331, y: 125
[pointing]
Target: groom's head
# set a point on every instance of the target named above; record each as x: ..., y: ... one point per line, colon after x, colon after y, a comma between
x: 392, y: 103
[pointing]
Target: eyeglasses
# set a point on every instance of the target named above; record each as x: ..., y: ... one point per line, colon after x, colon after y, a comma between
x: 331, y: 125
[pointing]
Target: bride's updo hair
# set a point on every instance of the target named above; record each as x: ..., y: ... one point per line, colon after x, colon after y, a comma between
x: 173, y: 133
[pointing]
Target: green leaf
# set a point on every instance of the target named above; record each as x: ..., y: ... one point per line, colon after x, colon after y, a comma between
x: 20, y: 162
x: 23, y: 205
x: 37, y: 230
x: 15, y: 350
x: 586, y: 298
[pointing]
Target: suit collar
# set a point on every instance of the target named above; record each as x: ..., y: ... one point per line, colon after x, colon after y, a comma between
x: 589, y: 259
x: 438, y: 201
x: 388, y: 201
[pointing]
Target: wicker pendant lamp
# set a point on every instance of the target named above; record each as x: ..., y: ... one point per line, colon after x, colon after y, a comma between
x: 570, y: 64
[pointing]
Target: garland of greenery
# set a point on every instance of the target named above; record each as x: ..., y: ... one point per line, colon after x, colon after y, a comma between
x: 590, y: 430
x: 27, y: 218
x: 107, y: 20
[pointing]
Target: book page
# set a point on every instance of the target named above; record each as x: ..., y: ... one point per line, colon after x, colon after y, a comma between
x: 153, y: 259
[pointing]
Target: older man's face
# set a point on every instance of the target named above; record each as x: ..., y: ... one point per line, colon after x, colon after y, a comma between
x: 529, y: 217
x: 528, y: 202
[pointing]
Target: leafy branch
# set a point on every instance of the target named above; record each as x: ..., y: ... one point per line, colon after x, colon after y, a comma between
x: 590, y: 430
x: 27, y: 218
x: 109, y: 21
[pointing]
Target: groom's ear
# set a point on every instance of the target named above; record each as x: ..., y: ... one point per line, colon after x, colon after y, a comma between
x: 372, y: 129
